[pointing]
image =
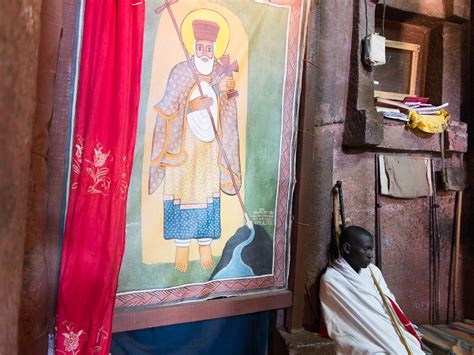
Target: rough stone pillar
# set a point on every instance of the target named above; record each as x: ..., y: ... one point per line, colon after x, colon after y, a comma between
x: 325, y: 103
x: 323, y: 107
x: 33, y: 332
x: 19, y: 41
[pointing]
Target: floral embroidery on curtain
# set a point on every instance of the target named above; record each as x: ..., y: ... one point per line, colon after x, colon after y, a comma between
x: 96, y: 167
x: 71, y: 339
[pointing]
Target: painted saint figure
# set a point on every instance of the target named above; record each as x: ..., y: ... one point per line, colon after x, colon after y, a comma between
x: 185, y: 155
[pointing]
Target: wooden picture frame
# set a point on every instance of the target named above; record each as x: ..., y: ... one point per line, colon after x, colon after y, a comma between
x: 414, y: 49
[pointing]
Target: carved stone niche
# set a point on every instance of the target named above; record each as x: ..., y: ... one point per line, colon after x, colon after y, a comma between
x: 442, y: 61
x: 363, y: 126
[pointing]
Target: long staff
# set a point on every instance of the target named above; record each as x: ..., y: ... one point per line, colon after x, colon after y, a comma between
x: 167, y: 5
x: 378, y: 206
x: 392, y: 316
x: 456, y: 247
x: 435, y: 250
x: 337, y: 227
x: 341, y: 204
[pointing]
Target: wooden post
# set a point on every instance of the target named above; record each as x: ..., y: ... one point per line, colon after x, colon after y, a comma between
x: 456, y: 248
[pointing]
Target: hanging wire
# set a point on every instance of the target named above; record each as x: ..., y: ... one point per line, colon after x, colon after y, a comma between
x: 366, y: 46
x: 366, y: 20
x: 366, y: 38
x: 383, y: 18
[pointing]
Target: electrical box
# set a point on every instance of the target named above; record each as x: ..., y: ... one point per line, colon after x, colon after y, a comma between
x: 374, y: 50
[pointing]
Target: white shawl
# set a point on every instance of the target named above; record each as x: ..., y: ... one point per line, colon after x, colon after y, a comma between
x: 354, y: 313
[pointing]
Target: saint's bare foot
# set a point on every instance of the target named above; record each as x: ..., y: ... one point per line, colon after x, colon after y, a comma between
x: 206, y: 256
x: 182, y: 259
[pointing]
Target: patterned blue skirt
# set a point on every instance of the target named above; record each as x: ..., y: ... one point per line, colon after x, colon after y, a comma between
x: 192, y: 223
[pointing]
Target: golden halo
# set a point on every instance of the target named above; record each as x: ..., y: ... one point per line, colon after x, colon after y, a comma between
x: 222, y: 40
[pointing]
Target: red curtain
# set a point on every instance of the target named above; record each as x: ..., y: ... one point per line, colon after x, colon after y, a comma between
x: 104, y: 139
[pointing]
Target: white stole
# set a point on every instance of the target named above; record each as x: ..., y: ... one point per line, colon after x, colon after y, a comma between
x: 199, y: 121
x: 354, y: 313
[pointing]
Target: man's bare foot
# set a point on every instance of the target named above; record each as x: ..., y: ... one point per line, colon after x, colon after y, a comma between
x: 182, y: 259
x: 206, y: 256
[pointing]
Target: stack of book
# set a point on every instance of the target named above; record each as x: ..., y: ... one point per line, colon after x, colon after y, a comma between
x: 396, y: 110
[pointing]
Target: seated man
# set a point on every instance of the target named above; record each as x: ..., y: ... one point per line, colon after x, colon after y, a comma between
x: 357, y: 316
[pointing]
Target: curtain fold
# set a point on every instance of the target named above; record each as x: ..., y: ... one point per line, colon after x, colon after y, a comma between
x: 104, y: 139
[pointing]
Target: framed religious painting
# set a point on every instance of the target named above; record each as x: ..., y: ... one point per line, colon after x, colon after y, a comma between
x: 209, y: 201
x: 173, y: 164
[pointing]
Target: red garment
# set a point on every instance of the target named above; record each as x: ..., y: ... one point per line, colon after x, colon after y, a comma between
x: 104, y: 140
x: 405, y: 321
x: 323, y: 331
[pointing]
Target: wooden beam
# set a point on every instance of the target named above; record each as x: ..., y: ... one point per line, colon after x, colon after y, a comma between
x: 133, y: 318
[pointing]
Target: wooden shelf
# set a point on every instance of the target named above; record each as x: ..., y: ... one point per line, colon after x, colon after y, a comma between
x: 134, y: 318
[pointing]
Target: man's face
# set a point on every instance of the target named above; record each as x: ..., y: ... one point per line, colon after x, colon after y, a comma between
x: 359, y: 252
x: 204, y: 49
x: 204, y: 56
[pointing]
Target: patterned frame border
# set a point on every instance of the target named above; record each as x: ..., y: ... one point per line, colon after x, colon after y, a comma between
x: 284, y: 194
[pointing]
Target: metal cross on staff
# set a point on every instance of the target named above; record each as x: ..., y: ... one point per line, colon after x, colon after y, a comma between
x: 227, y: 69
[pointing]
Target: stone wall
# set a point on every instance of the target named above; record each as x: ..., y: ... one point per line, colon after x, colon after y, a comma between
x: 340, y: 134
x: 19, y: 41
x: 33, y: 327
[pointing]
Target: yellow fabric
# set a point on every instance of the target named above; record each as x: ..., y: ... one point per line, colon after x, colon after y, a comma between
x: 429, y: 124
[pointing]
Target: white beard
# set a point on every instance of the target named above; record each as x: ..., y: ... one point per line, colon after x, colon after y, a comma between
x: 203, y: 67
